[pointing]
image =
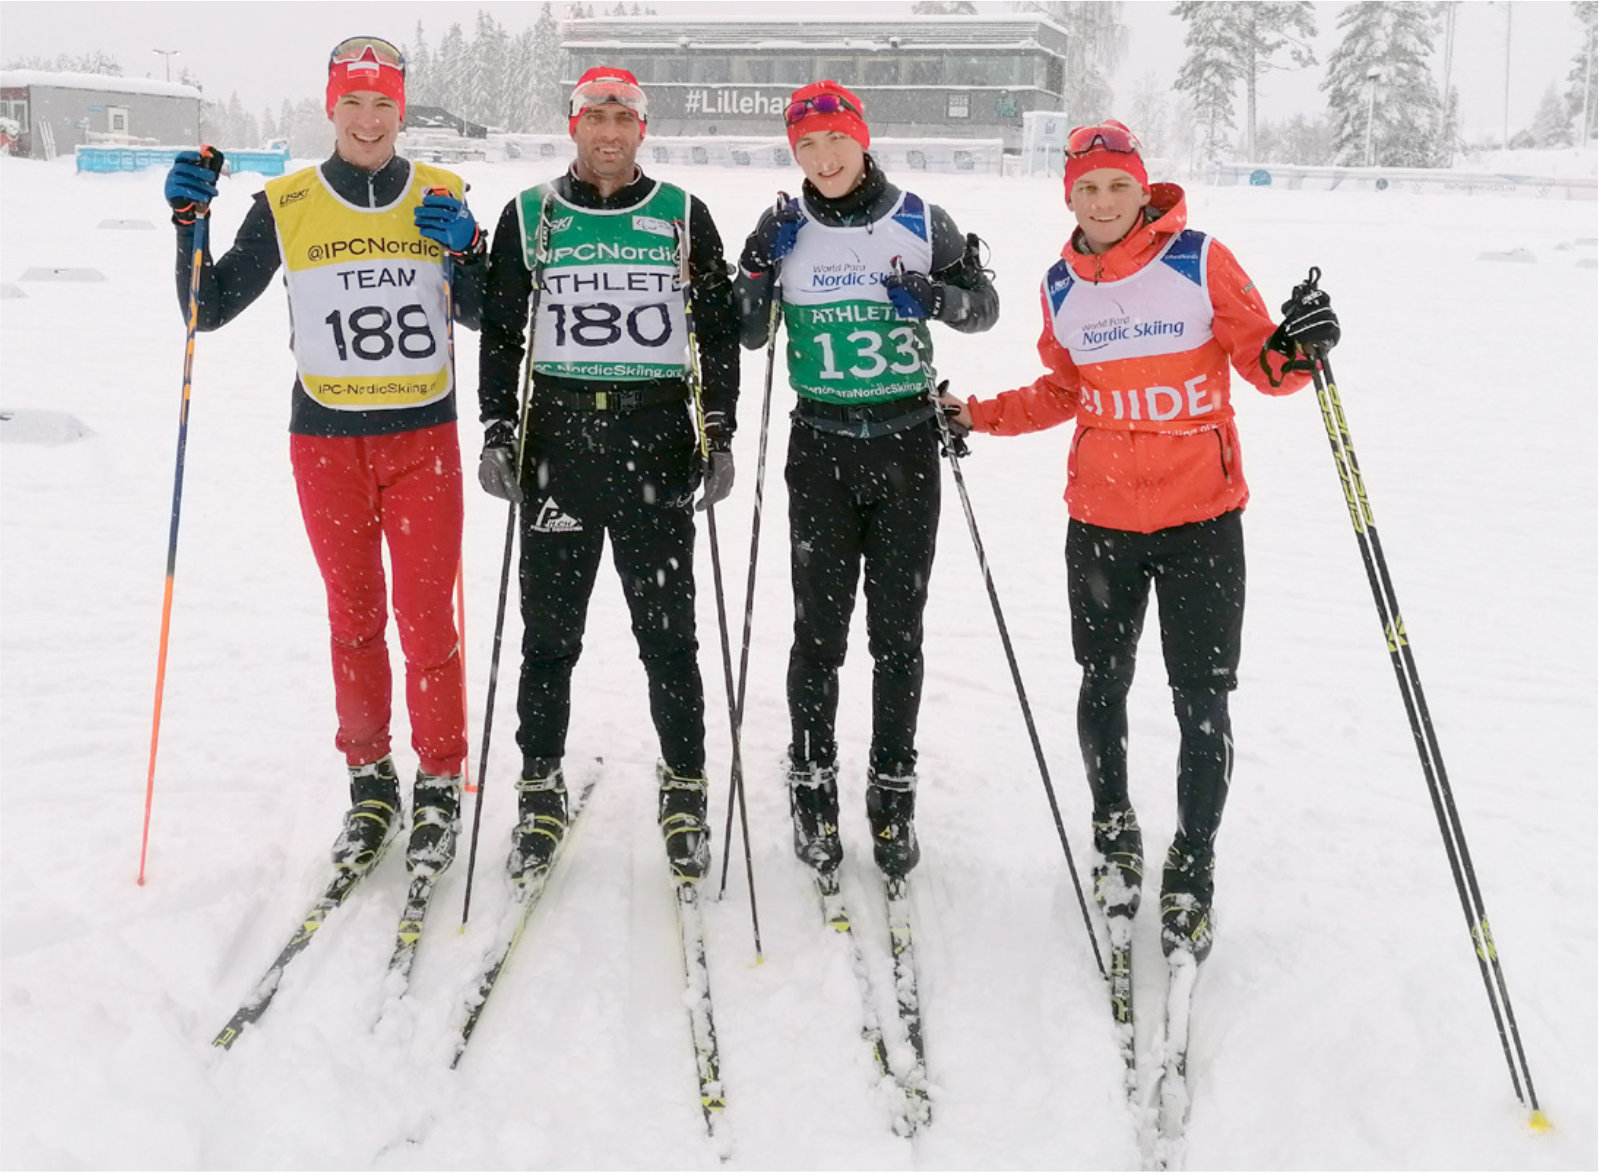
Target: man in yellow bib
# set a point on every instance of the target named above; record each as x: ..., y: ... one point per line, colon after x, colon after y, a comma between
x: 377, y: 259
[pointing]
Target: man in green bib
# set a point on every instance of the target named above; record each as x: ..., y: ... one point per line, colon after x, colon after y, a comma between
x: 861, y: 268
x: 617, y: 437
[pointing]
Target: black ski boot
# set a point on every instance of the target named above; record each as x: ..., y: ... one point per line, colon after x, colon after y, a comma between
x: 891, y: 807
x: 814, y: 805
x: 1118, y: 874
x: 541, y: 818
x: 1186, y: 920
x: 373, y: 818
x: 435, y: 823
x: 683, y: 823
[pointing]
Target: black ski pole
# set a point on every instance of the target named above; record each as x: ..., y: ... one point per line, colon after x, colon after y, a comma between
x: 211, y: 158
x: 774, y: 306
x: 685, y: 277
x: 1422, y: 731
x: 541, y: 232
x: 954, y: 447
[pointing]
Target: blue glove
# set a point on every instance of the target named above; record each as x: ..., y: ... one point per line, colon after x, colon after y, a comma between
x: 915, y: 295
x: 446, y: 220
x: 789, y: 218
x: 774, y: 237
x: 191, y: 186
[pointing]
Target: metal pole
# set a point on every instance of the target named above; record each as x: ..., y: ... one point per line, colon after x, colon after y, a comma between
x: 1372, y: 99
x: 166, y: 56
x: 1505, y: 110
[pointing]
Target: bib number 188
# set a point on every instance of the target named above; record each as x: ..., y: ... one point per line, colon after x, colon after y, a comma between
x: 372, y: 336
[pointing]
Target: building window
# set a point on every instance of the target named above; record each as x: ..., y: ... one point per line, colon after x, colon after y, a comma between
x: 795, y: 71
x: 881, y: 71
x: 922, y: 71
x: 958, y: 106
x: 118, y: 119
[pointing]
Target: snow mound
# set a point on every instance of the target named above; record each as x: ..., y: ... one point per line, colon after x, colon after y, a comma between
x: 41, y: 427
x: 63, y: 274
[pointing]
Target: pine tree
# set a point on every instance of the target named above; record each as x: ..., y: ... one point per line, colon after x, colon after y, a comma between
x: 452, y: 69
x: 1097, y: 41
x: 548, y: 105
x: 420, y: 80
x: 310, y: 133
x: 1212, y: 71
x: 1582, y: 106
x: 1378, y: 82
x: 238, y: 124
x: 269, y: 126
x: 1147, y: 113
x: 1552, y: 125
x: 1264, y: 30
x: 485, y: 84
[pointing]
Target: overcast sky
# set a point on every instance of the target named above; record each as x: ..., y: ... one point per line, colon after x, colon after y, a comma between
x: 268, y: 50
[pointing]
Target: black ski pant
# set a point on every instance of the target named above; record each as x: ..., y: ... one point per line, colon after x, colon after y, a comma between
x: 1198, y: 573
x: 857, y: 502
x: 629, y: 475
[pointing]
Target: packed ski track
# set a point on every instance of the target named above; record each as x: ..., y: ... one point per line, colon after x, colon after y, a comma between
x: 1340, y: 1021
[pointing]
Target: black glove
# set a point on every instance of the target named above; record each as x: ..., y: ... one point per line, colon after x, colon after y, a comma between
x: 192, y: 183
x: 497, y: 466
x: 719, y: 460
x: 1309, y: 324
x: 915, y: 295
x: 774, y: 237
x: 958, y: 430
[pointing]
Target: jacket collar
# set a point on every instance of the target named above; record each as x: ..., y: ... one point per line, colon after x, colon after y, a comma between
x: 367, y: 189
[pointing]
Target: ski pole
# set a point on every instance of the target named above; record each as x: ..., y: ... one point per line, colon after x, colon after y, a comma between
x: 447, y: 270
x: 211, y: 158
x: 774, y: 306
x: 955, y: 447
x: 1422, y: 730
x: 737, y: 786
x: 461, y: 651
x: 541, y: 238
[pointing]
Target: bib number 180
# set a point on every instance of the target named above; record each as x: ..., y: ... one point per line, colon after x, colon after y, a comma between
x: 372, y: 336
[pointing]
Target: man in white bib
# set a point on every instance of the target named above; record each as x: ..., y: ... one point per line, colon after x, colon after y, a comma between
x: 1143, y: 317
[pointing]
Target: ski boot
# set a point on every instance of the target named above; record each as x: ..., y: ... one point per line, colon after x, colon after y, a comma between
x: 373, y: 818
x: 1187, y: 923
x: 891, y: 806
x: 814, y: 806
x: 1118, y: 874
x: 683, y: 823
x: 435, y: 823
x: 541, y: 818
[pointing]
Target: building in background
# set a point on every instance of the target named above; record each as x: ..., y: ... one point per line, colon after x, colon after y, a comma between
x: 920, y: 77
x: 59, y: 111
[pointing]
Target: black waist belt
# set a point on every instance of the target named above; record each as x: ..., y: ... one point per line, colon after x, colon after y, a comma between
x: 864, y: 421
x: 619, y: 399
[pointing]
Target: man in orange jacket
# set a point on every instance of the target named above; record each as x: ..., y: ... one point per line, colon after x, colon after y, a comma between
x: 1142, y: 319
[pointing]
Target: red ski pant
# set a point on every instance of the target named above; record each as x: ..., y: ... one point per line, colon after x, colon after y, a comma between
x: 355, y: 493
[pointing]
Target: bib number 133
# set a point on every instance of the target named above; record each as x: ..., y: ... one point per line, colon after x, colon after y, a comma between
x: 868, y: 360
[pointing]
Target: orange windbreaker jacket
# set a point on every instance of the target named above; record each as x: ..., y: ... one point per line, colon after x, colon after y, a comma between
x: 1137, y: 342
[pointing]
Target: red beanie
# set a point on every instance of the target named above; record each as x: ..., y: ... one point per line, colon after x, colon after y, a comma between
x: 840, y: 110
x: 1110, y: 144
x: 371, y: 71
x: 602, y: 84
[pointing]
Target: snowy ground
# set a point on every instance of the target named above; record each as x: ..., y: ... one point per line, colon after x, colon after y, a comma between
x: 1341, y: 1022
